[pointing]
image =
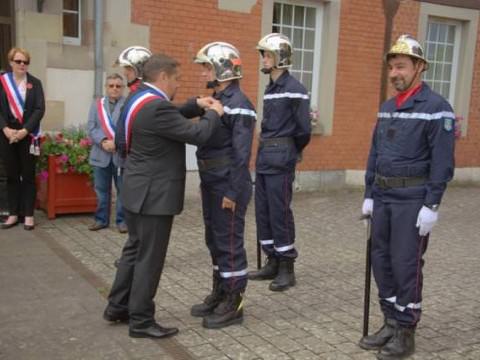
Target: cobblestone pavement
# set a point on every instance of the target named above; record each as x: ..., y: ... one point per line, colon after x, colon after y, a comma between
x: 320, y: 318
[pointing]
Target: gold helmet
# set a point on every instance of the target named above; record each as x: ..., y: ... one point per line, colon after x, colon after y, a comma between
x: 135, y: 57
x: 224, y: 58
x: 407, y: 45
x: 280, y: 46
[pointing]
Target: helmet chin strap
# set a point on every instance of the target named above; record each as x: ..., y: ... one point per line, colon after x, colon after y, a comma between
x: 212, y: 84
x: 266, y: 71
x: 130, y: 83
x: 413, y: 79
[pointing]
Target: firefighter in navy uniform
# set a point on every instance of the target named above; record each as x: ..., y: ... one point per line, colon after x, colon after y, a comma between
x: 285, y: 132
x: 226, y: 186
x: 410, y: 162
x: 132, y: 60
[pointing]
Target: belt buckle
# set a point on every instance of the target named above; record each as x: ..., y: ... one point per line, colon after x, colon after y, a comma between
x: 383, y: 182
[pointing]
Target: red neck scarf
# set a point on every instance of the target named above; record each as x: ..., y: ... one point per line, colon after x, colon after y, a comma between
x: 405, y: 95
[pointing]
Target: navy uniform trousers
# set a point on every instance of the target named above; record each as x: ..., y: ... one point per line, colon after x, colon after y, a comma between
x: 397, y: 259
x: 274, y: 216
x: 224, y: 235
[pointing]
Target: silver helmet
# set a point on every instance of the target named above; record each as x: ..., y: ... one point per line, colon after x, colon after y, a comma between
x: 224, y: 58
x: 280, y: 46
x: 135, y: 57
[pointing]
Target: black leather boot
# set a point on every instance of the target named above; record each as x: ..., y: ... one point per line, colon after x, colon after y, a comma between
x: 211, y: 301
x: 267, y: 272
x: 380, y: 338
x: 228, y: 312
x: 285, y: 277
x: 400, y: 346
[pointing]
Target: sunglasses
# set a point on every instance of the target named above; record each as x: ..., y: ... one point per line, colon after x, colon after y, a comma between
x: 111, y: 86
x: 24, y: 62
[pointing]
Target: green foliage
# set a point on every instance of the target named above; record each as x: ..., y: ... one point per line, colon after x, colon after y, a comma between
x: 71, y: 148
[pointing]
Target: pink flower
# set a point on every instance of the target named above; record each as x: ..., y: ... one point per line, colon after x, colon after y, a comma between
x: 458, y: 127
x: 63, y: 158
x: 59, y: 137
x: 43, y: 175
x: 85, y: 142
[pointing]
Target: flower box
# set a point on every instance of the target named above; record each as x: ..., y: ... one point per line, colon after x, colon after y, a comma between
x: 65, y: 193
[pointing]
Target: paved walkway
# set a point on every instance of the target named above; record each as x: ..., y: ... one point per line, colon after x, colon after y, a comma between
x: 321, y: 318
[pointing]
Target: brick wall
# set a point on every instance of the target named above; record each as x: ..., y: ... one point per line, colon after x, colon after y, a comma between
x: 181, y: 27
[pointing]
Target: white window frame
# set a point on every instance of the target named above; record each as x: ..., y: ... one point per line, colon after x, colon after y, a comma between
x: 469, y: 20
x: 69, y: 40
x: 319, y: 7
x: 456, y: 52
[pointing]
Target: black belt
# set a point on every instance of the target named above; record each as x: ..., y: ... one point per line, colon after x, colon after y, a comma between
x: 277, y: 141
x: 384, y: 182
x: 208, y: 164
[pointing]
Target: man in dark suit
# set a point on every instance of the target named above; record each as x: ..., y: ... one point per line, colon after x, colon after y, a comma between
x: 153, y: 188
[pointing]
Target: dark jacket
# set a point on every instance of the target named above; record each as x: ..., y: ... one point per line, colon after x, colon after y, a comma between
x: 154, y: 176
x: 286, y: 115
x: 34, y: 107
x: 232, y: 140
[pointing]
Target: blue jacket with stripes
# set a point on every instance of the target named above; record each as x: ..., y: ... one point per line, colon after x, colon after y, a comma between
x: 286, y: 113
x: 415, y: 140
x: 232, y: 139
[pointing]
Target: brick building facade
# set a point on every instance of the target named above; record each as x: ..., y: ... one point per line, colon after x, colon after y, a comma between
x: 179, y: 28
x: 339, y: 47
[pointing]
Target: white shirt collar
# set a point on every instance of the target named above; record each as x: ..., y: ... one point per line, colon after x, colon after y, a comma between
x: 157, y: 89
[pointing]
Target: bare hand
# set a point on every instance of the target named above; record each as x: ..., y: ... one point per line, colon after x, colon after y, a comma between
x: 218, y: 107
x: 20, y: 134
x: 228, y: 204
x: 108, y: 146
x: 205, y: 102
x: 10, y: 134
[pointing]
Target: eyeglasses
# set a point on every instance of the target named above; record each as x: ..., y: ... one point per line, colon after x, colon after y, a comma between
x: 111, y: 86
x: 24, y: 62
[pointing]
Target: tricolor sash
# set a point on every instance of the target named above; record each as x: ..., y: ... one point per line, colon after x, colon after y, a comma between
x: 17, y: 104
x: 105, y: 119
x: 133, y: 107
x: 13, y: 95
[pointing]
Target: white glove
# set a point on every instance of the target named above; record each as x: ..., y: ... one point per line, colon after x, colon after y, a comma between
x: 426, y: 219
x: 367, y: 207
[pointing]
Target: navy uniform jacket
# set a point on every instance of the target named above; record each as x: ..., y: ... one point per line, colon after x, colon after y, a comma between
x: 415, y: 140
x: 233, y: 139
x: 286, y: 114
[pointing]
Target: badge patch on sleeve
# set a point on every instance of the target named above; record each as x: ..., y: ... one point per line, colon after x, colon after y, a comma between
x: 448, y: 124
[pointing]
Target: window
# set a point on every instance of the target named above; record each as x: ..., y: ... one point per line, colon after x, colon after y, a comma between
x: 442, y: 51
x: 302, y: 25
x: 6, y: 29
x: 71, y: 22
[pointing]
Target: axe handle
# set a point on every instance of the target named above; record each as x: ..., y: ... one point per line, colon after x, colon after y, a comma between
x: 368, y: 275
x: 259, y: 255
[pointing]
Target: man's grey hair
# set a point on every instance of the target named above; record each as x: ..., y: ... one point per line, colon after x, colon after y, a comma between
x: 159, y: 63
x: 114, y: 76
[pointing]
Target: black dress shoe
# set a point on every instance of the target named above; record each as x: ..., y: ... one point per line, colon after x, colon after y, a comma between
x: 28, y: 227
x: 154, y: 331
x: 112, y: 316
x: 8, y: 226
